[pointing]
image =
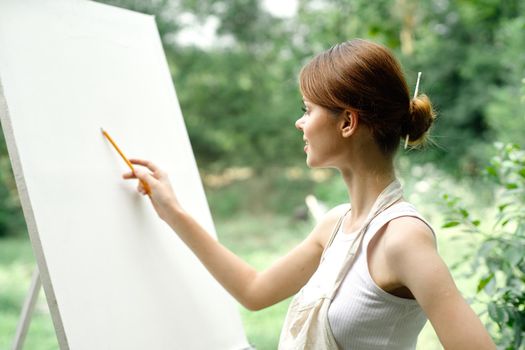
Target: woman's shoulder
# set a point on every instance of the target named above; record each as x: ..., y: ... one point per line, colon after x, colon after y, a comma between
x: 404, y: 216
x: 405, y: 234
x: 328, y: 222
x: 335, y: 214
x: 339, y: 210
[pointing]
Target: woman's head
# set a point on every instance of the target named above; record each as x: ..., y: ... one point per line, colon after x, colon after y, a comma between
x: 365, y: 78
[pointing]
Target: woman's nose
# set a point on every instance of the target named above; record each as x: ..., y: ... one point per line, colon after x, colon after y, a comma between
x: 299, y: 123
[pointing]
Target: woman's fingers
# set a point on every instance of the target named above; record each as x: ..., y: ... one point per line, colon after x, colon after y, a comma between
x: 148, y: 164
x: 141, y: 189
x: 145, y: 177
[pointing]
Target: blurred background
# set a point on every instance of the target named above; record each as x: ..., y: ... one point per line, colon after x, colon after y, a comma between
x: 235, y: 64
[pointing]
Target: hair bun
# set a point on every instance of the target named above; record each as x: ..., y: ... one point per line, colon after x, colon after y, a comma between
x: 420, y: 118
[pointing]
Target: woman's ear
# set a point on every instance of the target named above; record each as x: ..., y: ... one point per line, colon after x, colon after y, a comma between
x: 349, y: 123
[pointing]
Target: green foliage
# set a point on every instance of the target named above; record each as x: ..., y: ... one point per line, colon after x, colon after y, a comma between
x: 499, y: 262
x: 266, y: 193
x: 505, y: 101
x: 471, y: 56
x: 11, y: 218
x: 332, y: 191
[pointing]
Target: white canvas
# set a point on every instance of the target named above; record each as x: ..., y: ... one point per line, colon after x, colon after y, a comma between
x: 115, y: 276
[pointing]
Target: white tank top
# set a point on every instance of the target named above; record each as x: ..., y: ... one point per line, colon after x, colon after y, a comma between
x: 363, y: 316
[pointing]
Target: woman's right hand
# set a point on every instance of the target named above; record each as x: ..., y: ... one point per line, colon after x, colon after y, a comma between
x: 160, y: 191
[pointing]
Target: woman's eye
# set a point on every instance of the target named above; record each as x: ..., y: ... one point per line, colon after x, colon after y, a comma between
x: 303, y: 108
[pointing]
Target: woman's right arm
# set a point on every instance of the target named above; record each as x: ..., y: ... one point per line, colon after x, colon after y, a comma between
x: 254, y: 290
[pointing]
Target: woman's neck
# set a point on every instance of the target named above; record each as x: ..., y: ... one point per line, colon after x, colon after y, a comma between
x: 364, y: 185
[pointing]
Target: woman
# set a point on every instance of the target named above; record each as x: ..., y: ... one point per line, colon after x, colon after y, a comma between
x: 366, y: 277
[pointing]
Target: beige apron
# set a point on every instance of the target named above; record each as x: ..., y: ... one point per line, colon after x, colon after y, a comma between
x: 306, y: 325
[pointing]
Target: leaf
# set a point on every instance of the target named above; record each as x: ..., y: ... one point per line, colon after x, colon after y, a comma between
x: 511, y: 186
x: 484, y: 281
x: 514, y: 255
x: 492, y: 171
x: 475, y: 223
x: 487, y: 246
x: 494, y: 313
x: 450, y: 224
x: 503, y: 206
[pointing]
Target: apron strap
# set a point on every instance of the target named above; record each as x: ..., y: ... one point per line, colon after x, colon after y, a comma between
x: 334, y: 232
x: 390, y: 195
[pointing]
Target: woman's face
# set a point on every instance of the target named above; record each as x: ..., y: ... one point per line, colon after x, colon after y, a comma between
x: 321, y: 135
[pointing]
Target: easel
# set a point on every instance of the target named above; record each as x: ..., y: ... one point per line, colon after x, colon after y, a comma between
x: 27, y: 311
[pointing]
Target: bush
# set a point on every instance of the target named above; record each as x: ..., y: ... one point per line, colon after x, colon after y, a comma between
x: 499, y: 262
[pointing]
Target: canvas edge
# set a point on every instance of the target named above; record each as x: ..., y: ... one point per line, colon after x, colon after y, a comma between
x: 27, y: 208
